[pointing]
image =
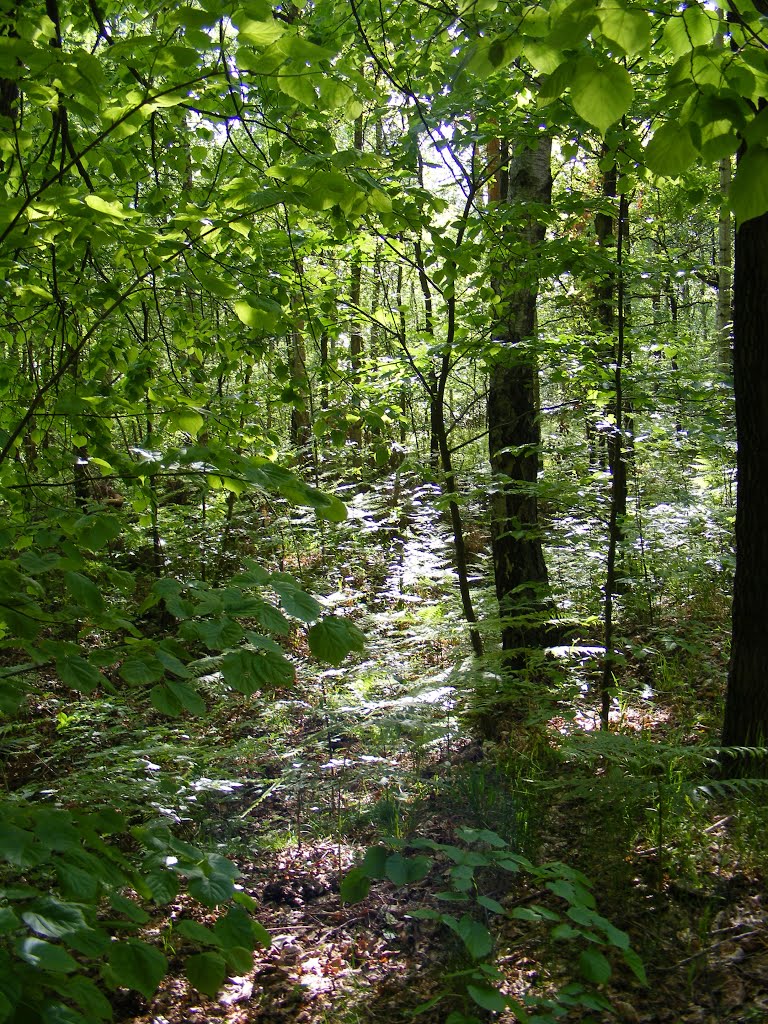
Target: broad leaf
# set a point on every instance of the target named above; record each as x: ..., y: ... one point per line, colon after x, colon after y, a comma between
x: 333, y: 638
x: 45, y: 956
x: 78, y: 673
x: 594, y: 966
x: 488, y: 998
x: 749, y: 189
x: 206, y: 972
x: 138, y: 965
x: 671, y: 150
x: 601, y: 94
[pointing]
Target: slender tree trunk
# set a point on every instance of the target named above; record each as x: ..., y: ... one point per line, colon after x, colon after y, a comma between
x: 513, y: 420
x: 301, y: 420
x: 618, y: 464
x: 435, y: 410
x: 435, y: 381
x: 746, y: 709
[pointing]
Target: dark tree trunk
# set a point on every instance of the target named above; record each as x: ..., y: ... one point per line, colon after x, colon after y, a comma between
x: 513, y: 418
x: 746, y: 709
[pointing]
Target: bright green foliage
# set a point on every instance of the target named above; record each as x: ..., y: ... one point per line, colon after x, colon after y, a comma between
x: 484, y: 849
x: 179, y: 203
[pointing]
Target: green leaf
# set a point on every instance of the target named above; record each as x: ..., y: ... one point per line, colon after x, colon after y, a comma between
x: 405, y: 870
x: 141, y: 669
x: 333, y: 638
x: 78, y: 673
x: 749, y: 189
x: 298, y: 84
x: 629, y: 28
x: 206, y: 972
x: 88, y: 997
x: 671, y: 150
x: 9, y: 922
x: 482, y: 835
x: 217, y: 635
x: 136, y: 964
x: 543, y: 56
x: 91, y: 942
x: 248, y: 671
x: 475, y: 937
x: 17, y: 846
x: 601, y: 94
x: 594, y: 966
x: 374, y: 863
x: 235, y: 929
x: 84, y: 591
x: 295, y: 601
x: 488, y: 998
x: 53, y: 919
x: 692, y: 27
x: 355, y: 886
x: 187, y: 420
x: 45, y: 956
x: 239, y: 959
x: 172, y: 664
x: 163, y: 885
x: 271, y: 618
x: 490, y: 904
x: 129, y: 907
x: 635, y: 964
x: 259, y: 33
x: 198, y: 933
x: 109, y: 209
x: 213, y: 883
x: 189, y: 699
x: 96, y: 531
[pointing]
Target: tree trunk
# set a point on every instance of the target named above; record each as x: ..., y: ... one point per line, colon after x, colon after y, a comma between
x: 746, y: 709
x: 724, y: 270
x: 513, y: 419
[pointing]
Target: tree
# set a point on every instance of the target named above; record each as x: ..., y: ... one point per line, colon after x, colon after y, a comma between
x: 514, y: 435
x: 746, y: 709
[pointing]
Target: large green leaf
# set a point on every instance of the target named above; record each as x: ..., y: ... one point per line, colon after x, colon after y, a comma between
x: 333, y: 638
x: 206, y: 972
x: 84, y: 591
x: 53, y: 919
x: 212, y: 890
x: 236, y: 929
x: 749, y: 189
x: 248, y: 671
x: 690, y: 27
x: 601, y: 94
x: 671, y: 150
x: 87, y: 996
x: 488, y: 998
x: 78, y: 673
x: 627, y: 27
x: 136, y: 964
x: 594, y: 966
x: 45, y: 956
x: 475, y: 937
x: 296, y: 601
x: 405, y: 870
x: 355, y: 886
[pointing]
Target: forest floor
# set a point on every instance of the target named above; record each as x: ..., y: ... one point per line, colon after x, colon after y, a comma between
x: 377, y: 749
x: 295, y: 788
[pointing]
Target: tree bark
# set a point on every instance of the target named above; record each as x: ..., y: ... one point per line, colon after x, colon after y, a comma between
x: 724, y: 270
x: 513, y: 417
x: 746, y: 709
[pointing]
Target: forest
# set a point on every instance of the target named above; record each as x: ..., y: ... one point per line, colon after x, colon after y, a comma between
x: 383, y: 491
